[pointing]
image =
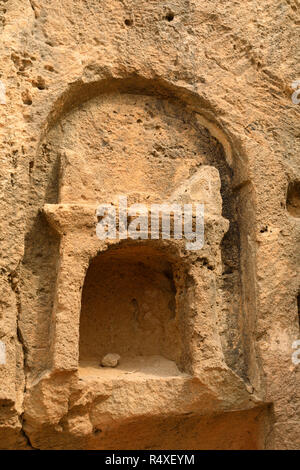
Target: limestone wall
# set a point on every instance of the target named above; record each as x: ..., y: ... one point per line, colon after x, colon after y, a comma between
x: 138, y: 97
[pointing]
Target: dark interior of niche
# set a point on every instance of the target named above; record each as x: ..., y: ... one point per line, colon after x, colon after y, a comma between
x: 129, y: 308
x: 293, y: 198
x: 230, y: 253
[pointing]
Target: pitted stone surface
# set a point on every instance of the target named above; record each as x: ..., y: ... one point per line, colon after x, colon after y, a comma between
x: 153, y: 100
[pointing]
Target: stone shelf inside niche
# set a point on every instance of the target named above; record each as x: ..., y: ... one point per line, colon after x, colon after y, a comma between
x: 131, y: 368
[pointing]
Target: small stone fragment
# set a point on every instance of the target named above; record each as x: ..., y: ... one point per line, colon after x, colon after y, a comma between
x: 110, y: 360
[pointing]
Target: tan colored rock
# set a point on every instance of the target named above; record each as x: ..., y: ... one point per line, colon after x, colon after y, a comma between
x: 204, y: 186
x: 110, y: 360
x: 161, y: 102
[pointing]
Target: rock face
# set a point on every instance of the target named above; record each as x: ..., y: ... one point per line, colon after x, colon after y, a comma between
x: 179, y: 102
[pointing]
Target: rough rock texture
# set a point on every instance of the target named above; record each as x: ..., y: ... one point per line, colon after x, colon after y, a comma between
x: 153, y: 100
x: 110, y: 360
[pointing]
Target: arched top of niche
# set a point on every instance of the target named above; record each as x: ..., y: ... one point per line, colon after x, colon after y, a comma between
x: 80, y: 91
x: 130, y: 137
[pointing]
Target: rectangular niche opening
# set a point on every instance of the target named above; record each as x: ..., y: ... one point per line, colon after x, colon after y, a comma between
x: 129, y: 308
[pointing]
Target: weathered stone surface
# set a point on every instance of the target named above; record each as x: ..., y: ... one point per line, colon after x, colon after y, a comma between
x: 159, y: 101
x: 110, y: 360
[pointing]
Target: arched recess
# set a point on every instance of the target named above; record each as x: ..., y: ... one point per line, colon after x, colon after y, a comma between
x: 134, y: 303
x: 169, y: 128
